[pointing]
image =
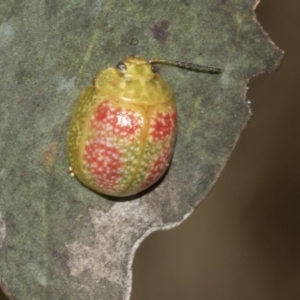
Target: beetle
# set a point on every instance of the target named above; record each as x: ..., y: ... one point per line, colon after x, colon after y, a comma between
x: 123, y: 129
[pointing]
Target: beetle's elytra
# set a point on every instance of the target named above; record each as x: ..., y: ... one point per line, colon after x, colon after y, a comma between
x: 123, y: 129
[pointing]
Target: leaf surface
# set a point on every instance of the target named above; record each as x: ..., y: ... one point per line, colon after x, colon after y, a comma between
x: 58, y: 239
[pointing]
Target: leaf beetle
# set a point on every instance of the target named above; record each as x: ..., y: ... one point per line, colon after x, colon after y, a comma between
x: 123, y: 129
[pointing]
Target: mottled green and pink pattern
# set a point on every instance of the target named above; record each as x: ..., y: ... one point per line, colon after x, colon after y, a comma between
x: 123, y: 130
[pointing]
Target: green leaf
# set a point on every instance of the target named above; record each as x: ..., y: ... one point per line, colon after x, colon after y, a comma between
x: 58, y: 239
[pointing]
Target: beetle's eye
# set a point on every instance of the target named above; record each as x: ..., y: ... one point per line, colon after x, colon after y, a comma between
x: 154, y: 69
x: 121, y: 66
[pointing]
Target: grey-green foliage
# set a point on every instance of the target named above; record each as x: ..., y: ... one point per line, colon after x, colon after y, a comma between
x: 60, y: 240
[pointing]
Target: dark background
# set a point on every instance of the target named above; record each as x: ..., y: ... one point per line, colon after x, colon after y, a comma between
x: 243, y: 241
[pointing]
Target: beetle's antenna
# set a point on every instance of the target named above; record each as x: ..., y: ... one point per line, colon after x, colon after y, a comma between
x: 185, y: 65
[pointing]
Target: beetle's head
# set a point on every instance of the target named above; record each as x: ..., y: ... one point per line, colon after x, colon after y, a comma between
x: 134, y: 79
x: 135, y: 68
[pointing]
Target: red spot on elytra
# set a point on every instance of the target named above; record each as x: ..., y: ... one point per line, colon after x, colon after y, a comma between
x: 158, y: 167
x: 104, y: 163
x: 163, y: 125
x: 121, y: 122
